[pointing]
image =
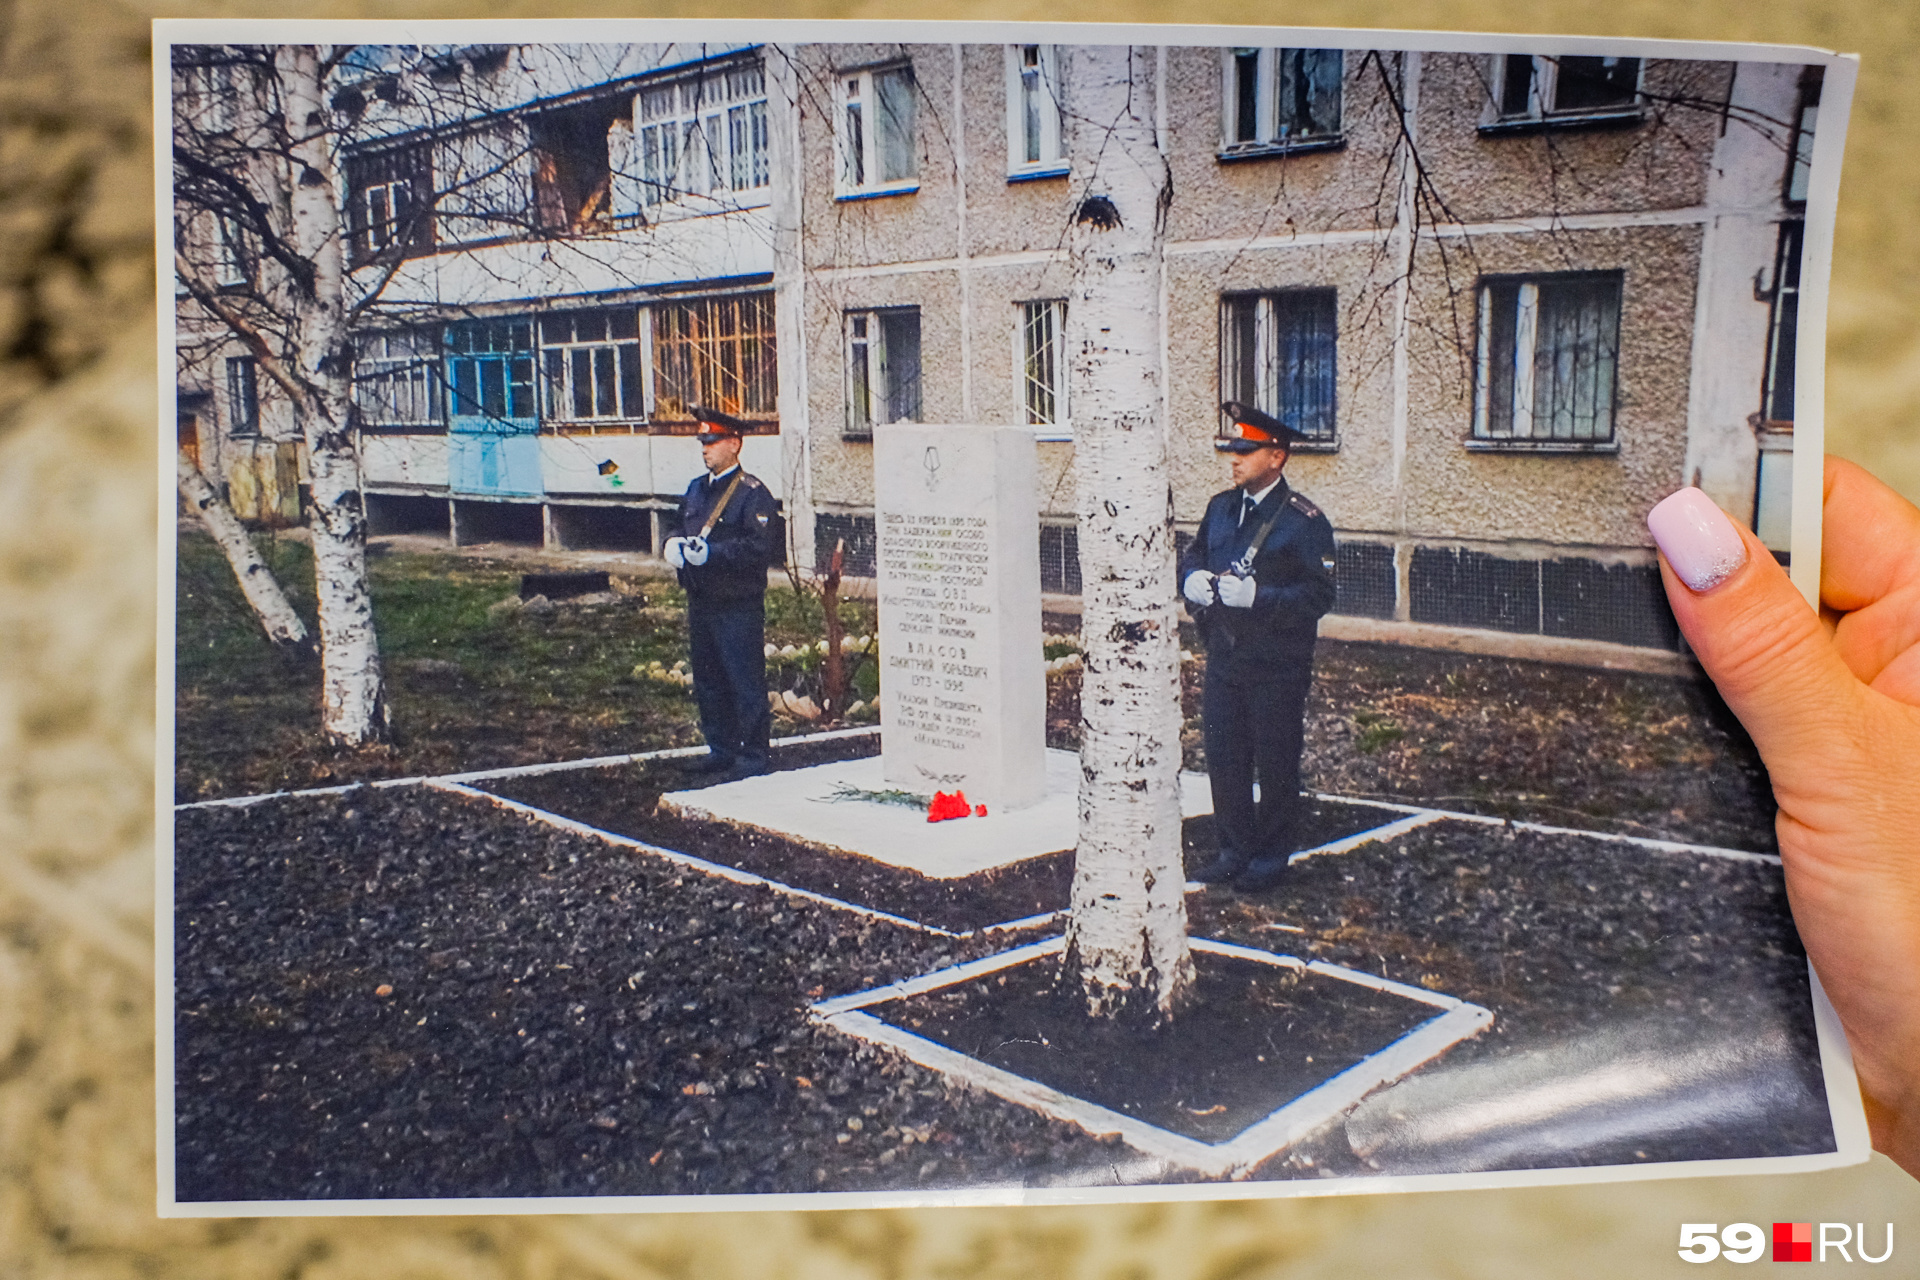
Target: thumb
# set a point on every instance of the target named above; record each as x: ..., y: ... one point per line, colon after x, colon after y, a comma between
x: 1755, y: 634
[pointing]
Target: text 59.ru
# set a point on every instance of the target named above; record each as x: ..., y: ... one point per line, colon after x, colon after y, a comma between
x: 1792, y: 1242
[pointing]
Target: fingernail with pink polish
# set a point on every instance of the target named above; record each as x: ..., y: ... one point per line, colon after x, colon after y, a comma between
x: 1699, y: 542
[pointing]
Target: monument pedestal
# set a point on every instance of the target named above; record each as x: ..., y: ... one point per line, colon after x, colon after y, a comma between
x: 963, y: 681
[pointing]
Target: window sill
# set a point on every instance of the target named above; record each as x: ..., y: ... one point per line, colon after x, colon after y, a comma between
x: 876, y: 193
x: 1038, y: 172
x: 1314, y: 446
x: 1544, y: 446
x: 856, y: 437
x: 1053, y: 435
x: 1626, y: 118
x: 1239, y: 151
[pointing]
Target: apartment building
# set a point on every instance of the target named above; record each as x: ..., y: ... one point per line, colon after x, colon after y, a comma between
x: 1511, y: 300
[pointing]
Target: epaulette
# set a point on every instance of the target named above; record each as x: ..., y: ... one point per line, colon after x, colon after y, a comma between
x: 1304, y: 507
x: 750, y: 482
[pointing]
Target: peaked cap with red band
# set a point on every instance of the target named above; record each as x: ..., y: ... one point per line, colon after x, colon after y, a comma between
x: 1249, y: 429
x: 718, y: 425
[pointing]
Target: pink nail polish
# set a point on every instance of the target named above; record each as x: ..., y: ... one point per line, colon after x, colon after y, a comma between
x: 1700, y: 543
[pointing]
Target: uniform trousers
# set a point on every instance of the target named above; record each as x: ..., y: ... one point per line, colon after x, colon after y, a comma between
x: 1255, y: 732
x: 727, y: 643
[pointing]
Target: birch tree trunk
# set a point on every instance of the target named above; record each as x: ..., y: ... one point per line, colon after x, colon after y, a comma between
x: 284, y: 629
x: 353, y: 703
x: 1128, y: 929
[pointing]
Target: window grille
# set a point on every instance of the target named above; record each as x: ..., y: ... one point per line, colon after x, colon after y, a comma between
x: 1042, y: 372
x: 718, y: 352
x: 396, y: 384
x: 1549, y: 350
x: 883, y: 368
x: 1279, y: 353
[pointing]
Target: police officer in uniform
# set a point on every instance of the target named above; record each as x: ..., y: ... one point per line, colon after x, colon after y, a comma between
x: 728, y: 535
x: 1257, y: 578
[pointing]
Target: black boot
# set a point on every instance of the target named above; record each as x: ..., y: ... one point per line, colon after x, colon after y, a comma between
x: 1262, y: 876
x: 712, y: 762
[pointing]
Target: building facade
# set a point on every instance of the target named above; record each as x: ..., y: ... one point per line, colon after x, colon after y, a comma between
x: 1511, y: 301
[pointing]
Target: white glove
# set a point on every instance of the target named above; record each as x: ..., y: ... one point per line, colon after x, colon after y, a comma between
x: 1236, y: 592
x: 1199, y: 588
x: 674, y: 552
x: 696, y: 551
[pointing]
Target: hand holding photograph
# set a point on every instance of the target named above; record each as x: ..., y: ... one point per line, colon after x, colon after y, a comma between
x: 795, y: 614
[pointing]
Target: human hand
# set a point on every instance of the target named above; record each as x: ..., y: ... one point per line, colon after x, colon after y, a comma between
x: 696, y: 551
x: 674, y: 552
x: 1236, y: 592
x: 1199, y: 588
x: 1833, y: 703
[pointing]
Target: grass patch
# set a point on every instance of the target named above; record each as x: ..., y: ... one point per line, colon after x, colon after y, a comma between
x: 469, y: 688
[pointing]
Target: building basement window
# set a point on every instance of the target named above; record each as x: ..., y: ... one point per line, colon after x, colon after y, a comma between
x: 1279, y: 353
x: 1280, y: 100
x: 1548, y: 361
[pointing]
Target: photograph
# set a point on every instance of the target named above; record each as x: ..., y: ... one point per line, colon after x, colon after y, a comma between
x: 822, y: 614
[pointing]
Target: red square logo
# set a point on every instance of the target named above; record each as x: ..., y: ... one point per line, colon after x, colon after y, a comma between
x: 1793, y: 1242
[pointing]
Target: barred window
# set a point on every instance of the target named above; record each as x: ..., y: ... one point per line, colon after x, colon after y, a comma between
x: 1043, y: 380
x: 716, y: 352
x: 883, y: 368
x: 1279, y: 353
x: 704, y: 135
x: 396, y: 382
x: 590, y: 363
x: 1549, y: 351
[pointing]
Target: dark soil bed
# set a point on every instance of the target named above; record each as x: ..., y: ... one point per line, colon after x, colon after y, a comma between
x: 402, y: 993
x: 622, y: 799
x: 1253, y: 1038
x: 1563, y: 938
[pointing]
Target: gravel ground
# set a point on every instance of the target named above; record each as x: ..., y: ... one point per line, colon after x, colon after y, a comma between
x: 406, y: 993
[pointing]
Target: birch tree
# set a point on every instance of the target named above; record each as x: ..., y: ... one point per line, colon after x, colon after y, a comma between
x: 273, y: 176
x: 285, y: 632
x: 1127, y: 937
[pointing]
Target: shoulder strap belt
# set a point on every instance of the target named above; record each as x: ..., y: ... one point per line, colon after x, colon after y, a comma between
x: 713, y: 516
x: 1244, y: 565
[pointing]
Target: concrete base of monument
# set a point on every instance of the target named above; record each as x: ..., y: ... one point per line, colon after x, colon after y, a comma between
x: 828, y: 806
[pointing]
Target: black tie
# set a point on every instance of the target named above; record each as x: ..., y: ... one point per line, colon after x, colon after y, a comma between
x: 1247, y: 506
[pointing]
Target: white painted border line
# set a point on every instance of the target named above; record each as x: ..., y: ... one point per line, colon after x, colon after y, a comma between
x: 674, y: 856
x: 1261, y: 1141
x: 1370, y: 835
x: 1541, y: 828
x: 515, y: 771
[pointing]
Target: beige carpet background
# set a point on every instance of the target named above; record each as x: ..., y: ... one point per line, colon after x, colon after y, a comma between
x: 77, y: 604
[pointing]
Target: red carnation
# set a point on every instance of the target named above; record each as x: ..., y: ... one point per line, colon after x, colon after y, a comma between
x: 948, y: 805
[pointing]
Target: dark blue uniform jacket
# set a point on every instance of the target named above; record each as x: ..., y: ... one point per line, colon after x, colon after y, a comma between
x: 1294, y: 571
x: 744, y: 544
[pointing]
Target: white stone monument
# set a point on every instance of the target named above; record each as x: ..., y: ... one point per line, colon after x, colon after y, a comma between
x: 963, y: 687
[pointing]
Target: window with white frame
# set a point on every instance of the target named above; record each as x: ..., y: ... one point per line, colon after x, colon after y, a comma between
x: 1806, y: 119
x: 243, y: 397
x: 876, y: 134
x: 704, y: 135
x: 1279, y: 353
x: 883, y: 368
x: 396, y: 382
x: 590, y: 366
x: 1548, y: 360
x: 1280, y: 99
x: 1533, y: 89
x: 390, y: 203
x: 1034, y: 147
x: 232, y: 253
x: 1043, y: 374
x: 1776, y: 399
